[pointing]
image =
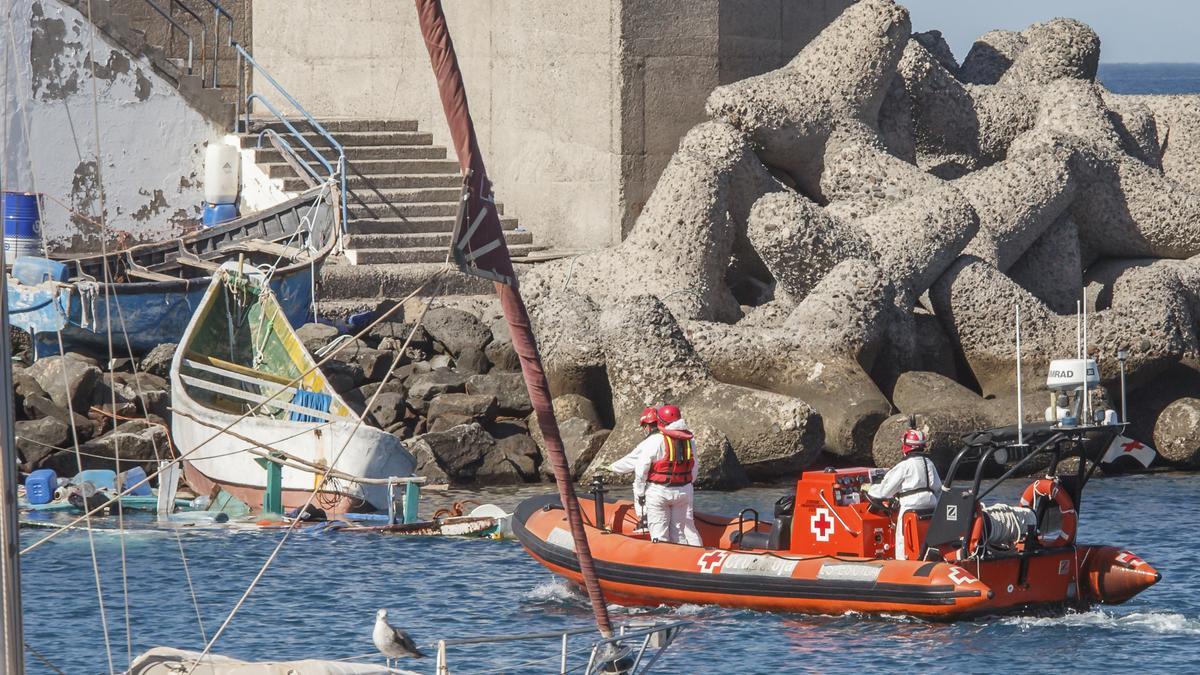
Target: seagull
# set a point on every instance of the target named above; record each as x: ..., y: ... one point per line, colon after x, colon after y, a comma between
x: 391, y: 642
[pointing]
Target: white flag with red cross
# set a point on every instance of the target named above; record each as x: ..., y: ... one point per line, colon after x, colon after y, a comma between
x: 1127, y: 447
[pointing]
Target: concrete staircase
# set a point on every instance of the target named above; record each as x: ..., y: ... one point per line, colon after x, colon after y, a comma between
x: 403, y: 200
x: 133, y: 25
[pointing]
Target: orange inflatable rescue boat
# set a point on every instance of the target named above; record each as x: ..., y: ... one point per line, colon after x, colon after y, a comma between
x: 829, y: 549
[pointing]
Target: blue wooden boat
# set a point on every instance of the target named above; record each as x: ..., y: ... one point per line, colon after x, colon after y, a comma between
x: 154, y: 288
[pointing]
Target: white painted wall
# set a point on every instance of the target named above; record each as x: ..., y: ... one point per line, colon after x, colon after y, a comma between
x: 151, y: 141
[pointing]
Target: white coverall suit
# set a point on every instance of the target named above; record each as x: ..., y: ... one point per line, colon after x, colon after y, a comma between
x: 628, y: 464
x: 914, y: 472
x: 668, y: 508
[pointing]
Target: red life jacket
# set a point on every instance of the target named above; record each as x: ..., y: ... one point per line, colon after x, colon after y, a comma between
x: 675, y: 468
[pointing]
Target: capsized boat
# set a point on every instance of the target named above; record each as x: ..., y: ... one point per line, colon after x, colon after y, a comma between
x: 236, y: 375
x: 158, y: 285
x: 829, y: 549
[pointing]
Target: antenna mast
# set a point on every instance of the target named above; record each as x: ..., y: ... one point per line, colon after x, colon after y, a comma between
x: 1020, y: 407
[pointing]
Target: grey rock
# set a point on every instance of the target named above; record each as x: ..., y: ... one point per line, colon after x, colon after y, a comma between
x: 471, y: 360
x: 512, y: 398
x: 38, y: 439
x: 458, y: 452
x: 426, y: 386
x: 68, y: 381
x: 315, y: 335
x: 480, y: 408
x: 456, y: 329
x: 991, y: 56
x: 158, y: 360
x: 387, y: 409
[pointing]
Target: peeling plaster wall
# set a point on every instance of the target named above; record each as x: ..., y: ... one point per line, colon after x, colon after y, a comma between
x: 152, y: 142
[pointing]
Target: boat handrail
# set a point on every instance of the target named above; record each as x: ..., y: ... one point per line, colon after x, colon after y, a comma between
x: 214, y: 364
x: 339, y: 175
x: 666, y: 632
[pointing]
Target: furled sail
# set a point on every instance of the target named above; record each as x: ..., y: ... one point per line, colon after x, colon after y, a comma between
x: 478, y: 248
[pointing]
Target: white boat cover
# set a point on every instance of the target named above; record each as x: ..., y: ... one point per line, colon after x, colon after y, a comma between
x: 171, y: 661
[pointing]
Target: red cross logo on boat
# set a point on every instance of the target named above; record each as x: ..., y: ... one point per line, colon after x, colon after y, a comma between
x: 709, y: 562
x: 1129, y: 560
x: 959, y: 576
x: 1131, y: 446
x: 821, y: 524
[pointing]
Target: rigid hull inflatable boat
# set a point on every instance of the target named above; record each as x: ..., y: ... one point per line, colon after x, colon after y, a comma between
x: 829, y: 550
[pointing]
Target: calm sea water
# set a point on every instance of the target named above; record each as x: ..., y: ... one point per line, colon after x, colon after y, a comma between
x: 319, y: 599
x: 1151, y: 78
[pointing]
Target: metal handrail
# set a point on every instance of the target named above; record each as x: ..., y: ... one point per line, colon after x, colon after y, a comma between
x: 175, y: 24
x: 218, y: 12
x: 340, y: 172
x: 203, y: 33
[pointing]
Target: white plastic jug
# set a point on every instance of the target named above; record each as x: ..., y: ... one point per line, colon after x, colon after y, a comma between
x: 221, y: 165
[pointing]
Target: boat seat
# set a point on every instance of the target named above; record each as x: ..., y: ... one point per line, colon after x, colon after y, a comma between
x: 190, y: 259
x: 148, y: 275
x: 751, y: 540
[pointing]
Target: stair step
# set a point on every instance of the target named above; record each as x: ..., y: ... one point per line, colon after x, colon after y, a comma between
x: 350, y: 138
x: 366, y: 242
x: 409, y: 209
x: 336, y: 124
x: 389, y: 181
x: 372, y: 167
x: 416, y: 255
x: 361, y: 283
x: 355, y: 153
x: 412, y: 225
x: 407, y: 195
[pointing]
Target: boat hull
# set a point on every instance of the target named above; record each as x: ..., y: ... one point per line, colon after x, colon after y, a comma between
x: 635, y: 571
x: 149, y: 313
x: 227, y: 461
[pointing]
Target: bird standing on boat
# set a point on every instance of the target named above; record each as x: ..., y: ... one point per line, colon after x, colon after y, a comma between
x: 392, y: 642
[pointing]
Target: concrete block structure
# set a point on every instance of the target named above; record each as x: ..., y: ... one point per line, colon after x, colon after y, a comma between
x: 579, y: 105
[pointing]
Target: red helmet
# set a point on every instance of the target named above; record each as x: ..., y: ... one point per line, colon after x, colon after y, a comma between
x: 668, y: 414
x: 914, y: 440
x: 649, y: 416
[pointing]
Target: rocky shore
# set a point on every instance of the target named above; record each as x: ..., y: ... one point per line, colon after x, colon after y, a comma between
x: 840, y: 246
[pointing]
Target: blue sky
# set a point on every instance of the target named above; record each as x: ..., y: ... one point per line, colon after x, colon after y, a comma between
x: 1131, y: 31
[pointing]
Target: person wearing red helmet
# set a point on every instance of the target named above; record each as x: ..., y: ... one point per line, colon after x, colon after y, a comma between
x: 649, y: 423
x: 914, y: 482
x: 663, y: 478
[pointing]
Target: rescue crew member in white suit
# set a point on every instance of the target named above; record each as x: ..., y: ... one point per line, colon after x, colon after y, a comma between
x: 914, y: 482
x: 649, y: 424
x: 664, y: 476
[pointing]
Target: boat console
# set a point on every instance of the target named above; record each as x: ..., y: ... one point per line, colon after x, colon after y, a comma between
x: 832, y: 518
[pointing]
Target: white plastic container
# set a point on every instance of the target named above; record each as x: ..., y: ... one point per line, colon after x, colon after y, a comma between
x: 221, y: 177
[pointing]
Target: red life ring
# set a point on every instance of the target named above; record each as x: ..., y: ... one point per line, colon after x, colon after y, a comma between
x: 1049, y: 488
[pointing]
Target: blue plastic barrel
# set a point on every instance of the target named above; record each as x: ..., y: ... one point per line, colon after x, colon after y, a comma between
x: 22, y: 226
x: 215, y: 214
x: 40, y: 486
x: 127, y: 479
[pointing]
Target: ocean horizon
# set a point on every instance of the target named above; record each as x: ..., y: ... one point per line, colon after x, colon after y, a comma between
x: 1150, y: 78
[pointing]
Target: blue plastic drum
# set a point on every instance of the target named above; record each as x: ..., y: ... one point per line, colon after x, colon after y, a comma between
x: 215, y: 214
x: 22, y: 226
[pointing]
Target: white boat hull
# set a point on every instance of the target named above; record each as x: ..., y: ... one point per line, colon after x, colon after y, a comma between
x: 227, y: 461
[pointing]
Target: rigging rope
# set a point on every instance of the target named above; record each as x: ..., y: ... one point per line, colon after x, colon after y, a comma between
x: 108, y: 316
x: 25, y: 127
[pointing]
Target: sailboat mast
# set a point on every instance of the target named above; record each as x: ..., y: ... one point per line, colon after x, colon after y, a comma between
x: 478, y: 247
x: 13, y: 646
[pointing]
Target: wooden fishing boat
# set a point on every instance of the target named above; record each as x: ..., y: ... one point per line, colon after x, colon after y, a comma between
x: 154, y: 288
x: 238, y: 398
x: 828, y: 551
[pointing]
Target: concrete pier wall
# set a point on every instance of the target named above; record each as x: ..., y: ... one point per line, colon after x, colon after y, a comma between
x: 578, y: 105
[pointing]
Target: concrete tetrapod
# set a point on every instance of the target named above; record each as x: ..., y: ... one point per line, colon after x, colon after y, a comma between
x: 650, y: 362
x: 680, y: 246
